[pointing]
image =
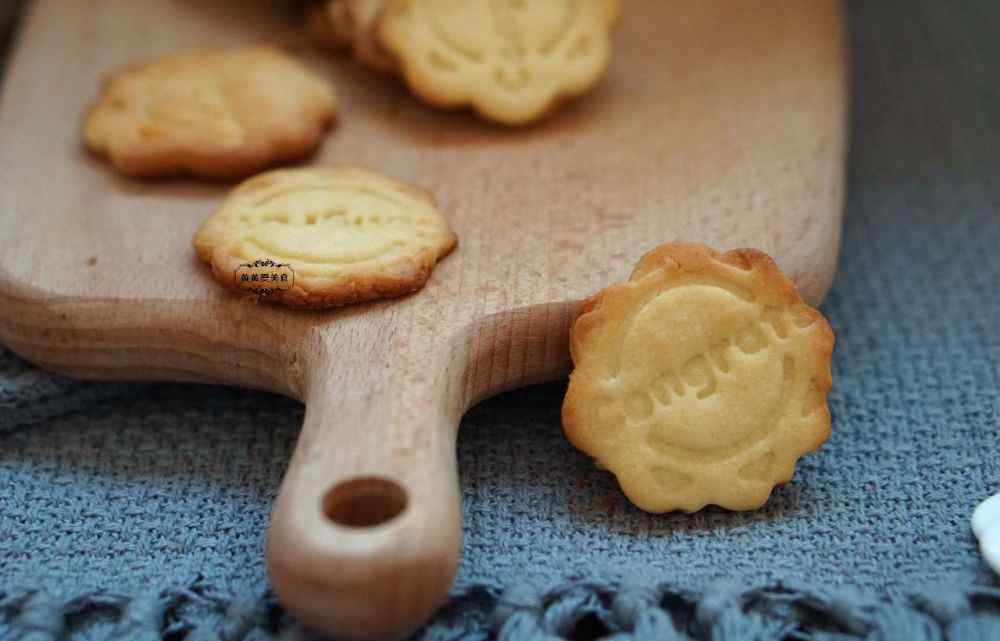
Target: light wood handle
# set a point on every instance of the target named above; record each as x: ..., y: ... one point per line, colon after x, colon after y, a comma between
x: 366, y: 533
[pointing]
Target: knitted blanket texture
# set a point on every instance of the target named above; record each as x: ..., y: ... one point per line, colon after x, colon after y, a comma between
x: 139, y: 512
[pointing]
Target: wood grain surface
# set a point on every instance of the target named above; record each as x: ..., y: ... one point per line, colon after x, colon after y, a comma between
x: 720, y: 121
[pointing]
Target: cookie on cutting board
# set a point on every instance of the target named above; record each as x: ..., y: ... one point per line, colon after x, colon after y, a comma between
x: 210, y: 114
x: 512, y: 61
x: 324, y: 237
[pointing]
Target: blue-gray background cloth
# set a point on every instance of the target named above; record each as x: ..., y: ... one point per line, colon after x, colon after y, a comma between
x: 164, y: 490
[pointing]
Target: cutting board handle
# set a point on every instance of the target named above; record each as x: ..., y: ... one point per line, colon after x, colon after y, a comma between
x: 365, y: 534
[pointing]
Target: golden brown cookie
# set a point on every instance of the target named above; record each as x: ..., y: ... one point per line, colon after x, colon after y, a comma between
x: 513, y: 61
x: 700, y: 380
x: 210, y: 113
x: 339, y: 235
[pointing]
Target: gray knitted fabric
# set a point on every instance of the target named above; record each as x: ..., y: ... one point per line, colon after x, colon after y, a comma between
x: 139, y: 511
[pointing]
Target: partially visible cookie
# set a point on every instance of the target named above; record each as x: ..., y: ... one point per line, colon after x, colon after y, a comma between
x: 330, y: 24
x: 351, y: 24
x: 700, y: 380
x: 365, y: 15
x: 341, y: 235
x: 513, y: 61
x: 210, y: 113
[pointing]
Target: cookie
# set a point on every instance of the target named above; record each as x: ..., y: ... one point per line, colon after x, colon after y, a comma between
x: 210, y: 114
x: 325, y: 236
x: 350, y: 24
x: 513, y: 61
x: 365, y: 16
x: 700, y: 380
x: 330, y: 24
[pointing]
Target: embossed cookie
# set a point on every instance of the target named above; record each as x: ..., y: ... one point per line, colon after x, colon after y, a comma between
x: 335, y: 236
x: 700, y: 380
x: 210, y: 113
x: 512, y: 60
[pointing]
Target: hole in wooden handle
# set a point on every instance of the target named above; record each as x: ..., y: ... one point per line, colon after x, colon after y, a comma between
x: 364, y: 501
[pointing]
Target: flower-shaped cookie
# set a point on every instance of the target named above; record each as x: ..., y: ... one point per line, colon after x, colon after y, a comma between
x: 701, y: 380
x: 210, y: 113
x: 336, y: 235
x: 512, y: 60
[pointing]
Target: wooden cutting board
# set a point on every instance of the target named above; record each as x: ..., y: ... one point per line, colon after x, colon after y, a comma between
x: 721, y: 121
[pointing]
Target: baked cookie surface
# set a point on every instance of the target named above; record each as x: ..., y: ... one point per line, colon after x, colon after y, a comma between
x: 344, y: 234
x: 700, y: 380
x: 513, y: 61
x: 210, y: 113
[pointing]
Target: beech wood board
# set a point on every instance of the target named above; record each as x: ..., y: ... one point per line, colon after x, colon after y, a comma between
x: 720, y: 121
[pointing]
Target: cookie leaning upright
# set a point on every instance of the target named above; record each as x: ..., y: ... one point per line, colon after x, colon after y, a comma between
x: 210, y: 113
x: 347, y: 234
x: 512, y: 61
x: 700, y: 380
